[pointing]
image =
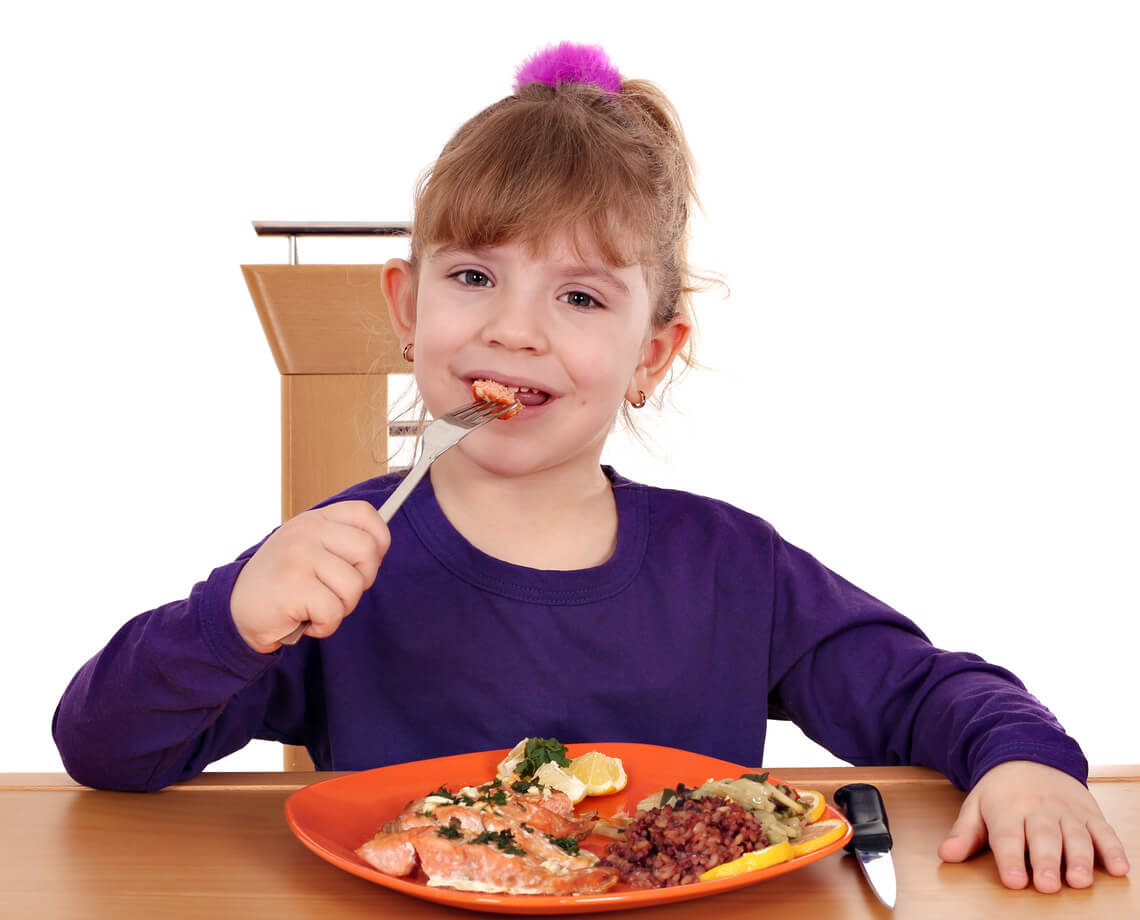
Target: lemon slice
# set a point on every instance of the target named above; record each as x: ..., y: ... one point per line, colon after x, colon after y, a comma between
x: 556, y: 777
x: 600, y: 774
x: 750, y: 862
x: 814, y: 805
x: 818, y: 835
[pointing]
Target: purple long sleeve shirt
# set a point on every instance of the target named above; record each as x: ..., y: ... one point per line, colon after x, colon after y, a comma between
x: 702, y: 625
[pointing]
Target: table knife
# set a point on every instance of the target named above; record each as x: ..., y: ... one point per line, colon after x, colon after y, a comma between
x: 871, y: 841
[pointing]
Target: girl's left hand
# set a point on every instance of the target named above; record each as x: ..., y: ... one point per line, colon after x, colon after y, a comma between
x: 1022, y: 806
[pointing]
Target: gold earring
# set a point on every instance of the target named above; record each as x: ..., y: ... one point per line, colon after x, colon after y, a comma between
x: 640, y: 404
x: 408, y: 348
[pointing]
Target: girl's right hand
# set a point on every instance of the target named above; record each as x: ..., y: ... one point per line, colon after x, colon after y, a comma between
x: 313, y: 567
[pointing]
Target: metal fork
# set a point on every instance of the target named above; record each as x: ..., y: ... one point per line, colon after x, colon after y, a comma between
x: 443, y: 433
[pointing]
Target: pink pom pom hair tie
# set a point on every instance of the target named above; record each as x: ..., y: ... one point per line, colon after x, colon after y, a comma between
x: 570, y: 63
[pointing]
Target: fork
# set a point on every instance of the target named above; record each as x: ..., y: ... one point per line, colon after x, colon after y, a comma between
x: 443, y: 433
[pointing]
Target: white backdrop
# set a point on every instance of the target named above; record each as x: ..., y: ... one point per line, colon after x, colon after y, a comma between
x: 926, y: 213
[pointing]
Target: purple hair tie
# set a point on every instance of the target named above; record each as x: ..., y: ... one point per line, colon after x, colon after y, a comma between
x: 570, y: 63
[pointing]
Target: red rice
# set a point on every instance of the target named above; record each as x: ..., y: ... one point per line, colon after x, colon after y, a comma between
x: 674, y: 844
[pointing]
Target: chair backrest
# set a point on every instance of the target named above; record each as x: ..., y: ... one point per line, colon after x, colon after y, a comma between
x: 328, y: 328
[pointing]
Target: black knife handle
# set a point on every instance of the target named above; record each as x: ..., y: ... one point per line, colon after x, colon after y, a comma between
x: 863, y: 806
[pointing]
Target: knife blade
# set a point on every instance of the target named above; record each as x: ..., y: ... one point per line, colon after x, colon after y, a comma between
x: 871, y: 841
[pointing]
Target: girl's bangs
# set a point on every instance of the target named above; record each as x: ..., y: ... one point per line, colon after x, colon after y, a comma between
x: 495, y: 185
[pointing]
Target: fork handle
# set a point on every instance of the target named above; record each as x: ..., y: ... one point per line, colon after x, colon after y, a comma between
x: 387, y: 512
x: 404, y: 489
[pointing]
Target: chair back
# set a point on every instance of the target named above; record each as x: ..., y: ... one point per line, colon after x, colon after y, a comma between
x: 328, y: 329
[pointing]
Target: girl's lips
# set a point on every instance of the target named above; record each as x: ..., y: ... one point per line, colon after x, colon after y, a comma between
x: 526, y: 392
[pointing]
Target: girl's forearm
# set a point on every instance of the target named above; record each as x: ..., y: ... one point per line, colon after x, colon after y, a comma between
x: 174, y: 690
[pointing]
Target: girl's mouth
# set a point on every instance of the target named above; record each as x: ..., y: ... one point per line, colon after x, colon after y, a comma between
x: 487, y: 387
x: 531, y: 397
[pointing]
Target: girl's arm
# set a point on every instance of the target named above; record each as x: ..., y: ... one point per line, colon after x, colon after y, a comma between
x: 182, y: 686
x: 174, y: 690
x: 865, y: 682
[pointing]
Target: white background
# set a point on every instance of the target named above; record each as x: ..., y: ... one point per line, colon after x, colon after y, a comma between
x: 925, y: 374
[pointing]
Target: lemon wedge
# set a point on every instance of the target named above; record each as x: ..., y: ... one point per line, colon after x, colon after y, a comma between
x: 600, y: 774
x: 818, y: 835
x: 750, y: 862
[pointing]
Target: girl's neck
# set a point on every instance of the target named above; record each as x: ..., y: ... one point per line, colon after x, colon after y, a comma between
x: 559, y: 519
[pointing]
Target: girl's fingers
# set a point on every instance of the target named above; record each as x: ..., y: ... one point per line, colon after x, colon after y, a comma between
x: 362, y: 516
x: 1043, y: 840
x: 1007, y: 841
x: 344, y: 582
x: 967, y: 835
x: 1078, y: 844
x: 1108, y: 845
x: 324, y: 610
x: 357, y: 547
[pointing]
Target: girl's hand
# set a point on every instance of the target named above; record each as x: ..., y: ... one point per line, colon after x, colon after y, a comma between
x: 313, y: 567
x: 1023, y: 806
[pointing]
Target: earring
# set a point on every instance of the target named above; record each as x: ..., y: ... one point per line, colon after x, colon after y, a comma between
x: 408, y: 354
x: 640, y: 404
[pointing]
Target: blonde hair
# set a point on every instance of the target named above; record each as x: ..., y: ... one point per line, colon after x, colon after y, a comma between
x: 615, y: 166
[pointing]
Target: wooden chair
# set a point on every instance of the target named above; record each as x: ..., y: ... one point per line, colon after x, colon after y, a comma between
x: 328, y: 328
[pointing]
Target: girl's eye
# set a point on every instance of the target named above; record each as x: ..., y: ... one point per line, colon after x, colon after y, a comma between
x: 472, y: 277
x: 581, y: 300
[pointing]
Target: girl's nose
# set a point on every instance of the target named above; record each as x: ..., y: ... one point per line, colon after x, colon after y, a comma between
x: 514, y: 321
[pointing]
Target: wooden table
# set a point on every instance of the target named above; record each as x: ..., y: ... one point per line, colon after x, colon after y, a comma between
x: 219, y: 847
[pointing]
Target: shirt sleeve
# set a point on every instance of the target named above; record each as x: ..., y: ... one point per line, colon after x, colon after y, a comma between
x: 864, y: 682
x: 174, y: 690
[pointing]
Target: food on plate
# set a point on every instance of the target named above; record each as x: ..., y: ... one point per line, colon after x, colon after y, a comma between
x: 493, y: 391
x: 558, y: 777
x: 814, y: 802
x: 519, y: 833
x: 546, y: 760
x: 818, y: 835
x: 524, y: 759
x: 491, y: 838
x: 674, y: 844
x: 750, y: 862
x: 600, y: 774
x: 776, y: 806
x: 670, y: 842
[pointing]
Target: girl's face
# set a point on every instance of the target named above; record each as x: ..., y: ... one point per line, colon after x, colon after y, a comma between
x: 574, y: 334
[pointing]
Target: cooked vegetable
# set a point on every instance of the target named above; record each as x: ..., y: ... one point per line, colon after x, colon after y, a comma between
x: 775, y: 806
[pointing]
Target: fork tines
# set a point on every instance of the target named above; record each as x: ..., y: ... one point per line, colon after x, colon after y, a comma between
x: 479, y: 410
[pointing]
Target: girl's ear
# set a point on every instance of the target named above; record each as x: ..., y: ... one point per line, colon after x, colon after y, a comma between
x: 657, y: 356
x: 398, y: 282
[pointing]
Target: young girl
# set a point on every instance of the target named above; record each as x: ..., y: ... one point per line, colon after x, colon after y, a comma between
x: 524, y: 589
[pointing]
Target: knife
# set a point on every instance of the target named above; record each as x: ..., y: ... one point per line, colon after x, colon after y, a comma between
x: 871, y: 842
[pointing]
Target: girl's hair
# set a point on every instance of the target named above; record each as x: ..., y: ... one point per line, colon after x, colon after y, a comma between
x: 572, y: 156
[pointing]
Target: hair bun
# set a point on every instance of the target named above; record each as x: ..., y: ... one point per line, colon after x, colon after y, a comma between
x: 569, y: 63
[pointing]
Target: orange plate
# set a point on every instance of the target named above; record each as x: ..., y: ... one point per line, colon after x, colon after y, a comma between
x: 334, y: 817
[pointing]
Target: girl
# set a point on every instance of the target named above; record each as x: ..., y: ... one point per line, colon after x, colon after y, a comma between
x: 527, y: 590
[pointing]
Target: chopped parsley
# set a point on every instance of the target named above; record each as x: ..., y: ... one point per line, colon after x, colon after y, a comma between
x: 539, y: 751
x: 568, y: 844
x: 522, y: 786
x: 755, y: 777
x: 503, y: 839
x: 452, y: 831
